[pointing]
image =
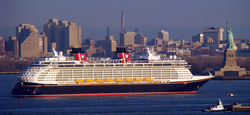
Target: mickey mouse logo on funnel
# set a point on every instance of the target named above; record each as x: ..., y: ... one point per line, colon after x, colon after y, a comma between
x: 82, y: 56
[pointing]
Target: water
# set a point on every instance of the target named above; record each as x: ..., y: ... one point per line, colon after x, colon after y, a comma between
x: 189, y: 104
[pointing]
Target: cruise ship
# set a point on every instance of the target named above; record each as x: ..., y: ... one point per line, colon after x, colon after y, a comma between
x: 78, y: 75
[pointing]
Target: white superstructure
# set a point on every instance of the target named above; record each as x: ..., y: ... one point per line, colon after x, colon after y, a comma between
x: 61, y: 70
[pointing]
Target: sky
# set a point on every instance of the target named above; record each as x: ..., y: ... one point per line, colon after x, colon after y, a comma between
x: 103, y: 13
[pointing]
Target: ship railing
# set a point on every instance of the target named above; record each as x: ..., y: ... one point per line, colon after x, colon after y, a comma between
x: 113, y: 82
x: 119, y: 65
x: 108, y: 60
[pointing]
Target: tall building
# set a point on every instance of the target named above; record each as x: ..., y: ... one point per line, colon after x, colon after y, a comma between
x: 156, y: 41
x: 140, y: 39
x: 49, y: 29
x: 12, y: 46
x: 73, y: 35
x: 198, y: 38
x: 164, y: 36
x: 60, y: 35
x: 127, y: 38
x: 216, y: 34
x: 63, y: 34
x: 109, y: 45
x: 2, y: 46
x: 31, y: 43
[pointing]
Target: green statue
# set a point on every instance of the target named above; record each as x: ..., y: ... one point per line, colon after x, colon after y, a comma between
x: 230, y: 38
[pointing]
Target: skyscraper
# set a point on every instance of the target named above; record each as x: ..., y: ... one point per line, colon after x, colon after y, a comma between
x: 73, y: 35
x: 216, y: 34
x: 140, y: 39
x: 156, y: 41
x: 109, y: 45
x: 164, y: 36
x: 127, y: 38
x: 12, y: 46
x: 65, y: 36
x: 2, y: 46
x: 49, y: 30
x: 31, y: 44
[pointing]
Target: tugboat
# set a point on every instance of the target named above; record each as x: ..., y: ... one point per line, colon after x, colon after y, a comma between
x: 217, y: 108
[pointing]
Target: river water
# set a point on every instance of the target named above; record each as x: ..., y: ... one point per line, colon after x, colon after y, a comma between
x: 171, y: 104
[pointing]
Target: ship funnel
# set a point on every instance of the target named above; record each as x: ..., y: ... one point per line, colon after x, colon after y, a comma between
x: 122, y: 54
x: 78, y: 54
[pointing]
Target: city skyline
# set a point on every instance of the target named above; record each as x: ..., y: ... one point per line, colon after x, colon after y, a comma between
x: 141, y: 14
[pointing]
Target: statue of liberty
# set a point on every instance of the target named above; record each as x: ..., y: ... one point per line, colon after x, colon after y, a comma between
x: 230, y: 38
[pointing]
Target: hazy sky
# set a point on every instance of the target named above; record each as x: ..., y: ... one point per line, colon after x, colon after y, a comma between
x: 103, y: 13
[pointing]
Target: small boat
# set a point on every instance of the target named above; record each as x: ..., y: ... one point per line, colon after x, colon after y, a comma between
x: 231, y: 95
x: 216, y: 108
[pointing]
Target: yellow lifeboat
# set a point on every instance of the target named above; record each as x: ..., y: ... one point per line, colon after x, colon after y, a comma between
x: 128, y: 79
x: 109, y: 80
x: 98, y: 80
x: 148, y: 79
x: 138, y: 79
x: 119, y: 80
x: 89, y: 80
x: 79, y: 80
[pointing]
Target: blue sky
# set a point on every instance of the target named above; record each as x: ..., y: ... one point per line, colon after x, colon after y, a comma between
x: 103, y: 13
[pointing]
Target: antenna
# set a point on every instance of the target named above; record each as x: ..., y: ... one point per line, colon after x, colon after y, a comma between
x: 122, y: 24
x: 108, y: 31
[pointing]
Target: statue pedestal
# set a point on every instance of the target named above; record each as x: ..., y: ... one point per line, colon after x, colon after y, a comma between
x: 229, y: 58
x: 230, y: 66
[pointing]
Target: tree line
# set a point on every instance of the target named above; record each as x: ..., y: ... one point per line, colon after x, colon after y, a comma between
x: 9, y: 65
x: 211, y: 63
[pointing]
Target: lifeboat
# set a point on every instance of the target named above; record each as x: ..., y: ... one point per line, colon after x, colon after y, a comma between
x: 89, y: 80
x: 148, y: 79
x: 99, y: 80
x: 138, y: 79
x: 109, y: 80
x: 79, y: 80
x: 119, y: 80
x: 128, y: 79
